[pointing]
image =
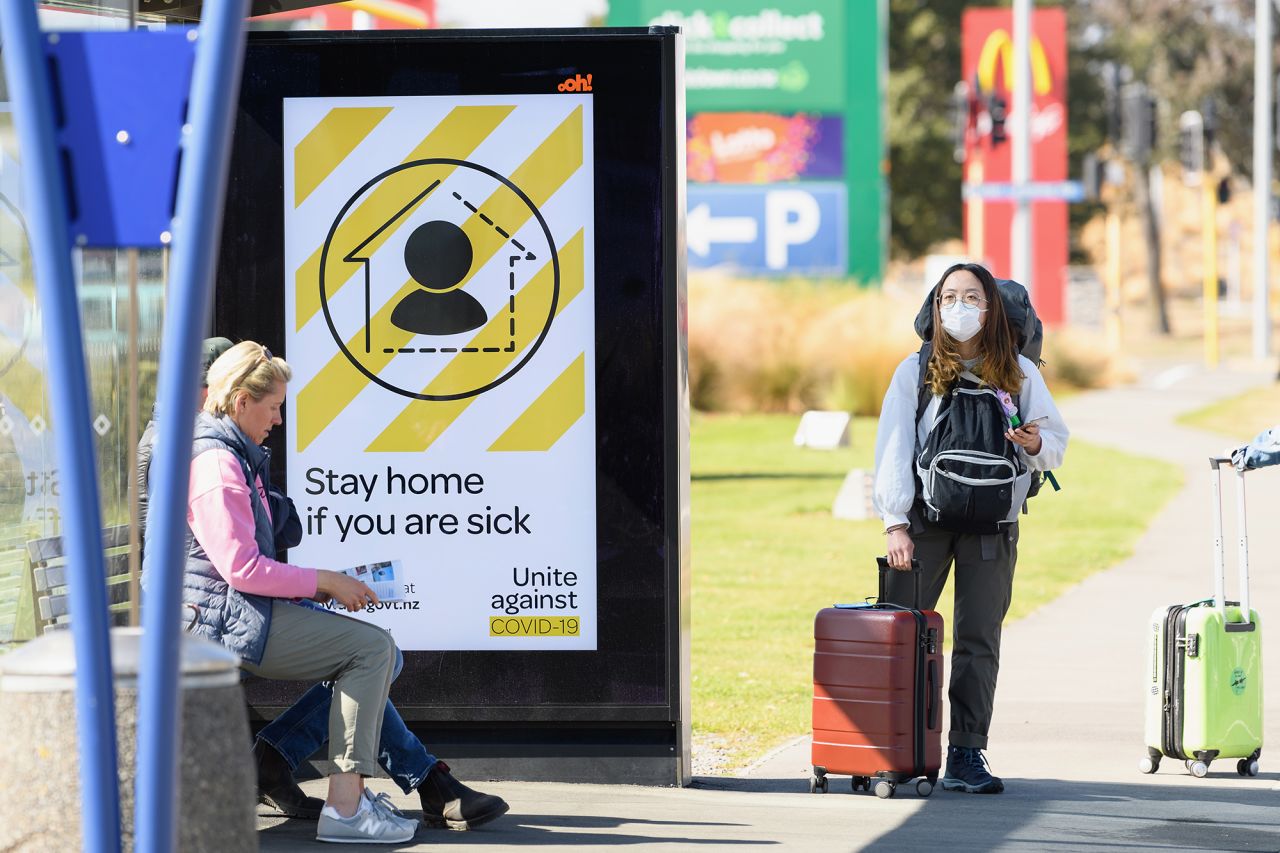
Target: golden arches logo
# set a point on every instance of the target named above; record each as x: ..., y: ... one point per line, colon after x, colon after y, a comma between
x: 999, y: 48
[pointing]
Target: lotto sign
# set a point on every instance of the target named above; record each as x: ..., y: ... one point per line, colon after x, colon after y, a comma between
x: 440, y: 325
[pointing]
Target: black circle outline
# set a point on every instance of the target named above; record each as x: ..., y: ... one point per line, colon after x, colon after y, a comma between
x: 555, y: 285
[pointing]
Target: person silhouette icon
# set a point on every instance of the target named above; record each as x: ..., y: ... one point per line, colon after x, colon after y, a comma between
x: 438, y: 256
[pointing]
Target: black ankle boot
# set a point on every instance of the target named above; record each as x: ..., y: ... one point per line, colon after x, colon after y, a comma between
x: 276, y: 787
x: 447, y: 803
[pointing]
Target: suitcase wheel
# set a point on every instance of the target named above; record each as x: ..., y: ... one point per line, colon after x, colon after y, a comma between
x: 1149, y: 764
x: 817, y: 784
x: 885, y: 789
x: 1198, y: 768
x: 924, y: 787
x: 861, y: 783
x: 1247, y: 767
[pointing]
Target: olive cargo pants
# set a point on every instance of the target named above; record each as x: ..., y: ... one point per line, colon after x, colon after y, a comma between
x: 984, y: 565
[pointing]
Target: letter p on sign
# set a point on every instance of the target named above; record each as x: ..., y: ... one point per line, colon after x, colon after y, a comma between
x: 791, y: 217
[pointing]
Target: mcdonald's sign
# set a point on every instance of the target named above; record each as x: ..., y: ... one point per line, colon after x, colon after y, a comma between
x: 987, y: 59
x: 997, y: 52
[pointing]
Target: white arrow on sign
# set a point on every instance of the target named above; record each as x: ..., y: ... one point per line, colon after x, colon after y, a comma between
x: 705, y: 229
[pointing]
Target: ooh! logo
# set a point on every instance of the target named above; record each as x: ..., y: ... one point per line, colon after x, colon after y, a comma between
x: 576, y: 83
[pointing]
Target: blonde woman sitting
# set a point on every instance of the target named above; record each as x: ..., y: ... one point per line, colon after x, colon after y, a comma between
x: 241, y: 594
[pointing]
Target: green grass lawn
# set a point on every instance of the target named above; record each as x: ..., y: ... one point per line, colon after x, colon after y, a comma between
x: 1239, y: 418
x: 767, y: 555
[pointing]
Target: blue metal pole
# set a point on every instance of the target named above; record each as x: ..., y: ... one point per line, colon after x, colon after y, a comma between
x: 215, y: 90
x: 45, y: 207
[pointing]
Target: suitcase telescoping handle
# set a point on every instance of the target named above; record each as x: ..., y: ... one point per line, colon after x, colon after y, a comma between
x: 883, y: 563
x: 1219, y: 547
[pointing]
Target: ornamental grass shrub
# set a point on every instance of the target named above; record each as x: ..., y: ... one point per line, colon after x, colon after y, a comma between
x: 791, y: 345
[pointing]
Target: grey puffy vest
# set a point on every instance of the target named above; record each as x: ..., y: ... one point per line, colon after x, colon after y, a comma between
x: 240, y: 621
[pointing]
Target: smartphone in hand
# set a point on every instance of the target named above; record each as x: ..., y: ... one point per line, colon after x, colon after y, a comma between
x: 1033, y: 422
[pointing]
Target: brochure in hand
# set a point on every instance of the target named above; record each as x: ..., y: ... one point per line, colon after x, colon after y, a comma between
x: 383, y: 578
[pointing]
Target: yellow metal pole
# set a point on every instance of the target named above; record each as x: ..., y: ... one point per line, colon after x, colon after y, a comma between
x: 1210, y: 271
x: 1115, y: 296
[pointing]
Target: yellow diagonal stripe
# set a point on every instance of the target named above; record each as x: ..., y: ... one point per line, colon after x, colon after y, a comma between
x: 338, y: 382
x: 542, y: 173
x: 539, y: 176
x: 24, y: 385
x: 550, y: 416
x: 423, y: 421
x: 329, y: 143
x: 455, y: 137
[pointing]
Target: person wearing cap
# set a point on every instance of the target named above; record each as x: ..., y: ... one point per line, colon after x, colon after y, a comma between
x: 210, y: 350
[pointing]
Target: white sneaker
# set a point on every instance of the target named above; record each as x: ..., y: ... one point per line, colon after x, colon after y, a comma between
x: 382, y: 803
x: 367, y: 826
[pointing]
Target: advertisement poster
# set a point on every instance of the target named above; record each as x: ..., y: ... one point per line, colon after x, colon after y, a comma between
x: 764, y: 148
x: 28, y: 475
x: 440, y: 326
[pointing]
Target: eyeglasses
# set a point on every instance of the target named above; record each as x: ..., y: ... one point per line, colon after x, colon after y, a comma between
x: 973, y: 300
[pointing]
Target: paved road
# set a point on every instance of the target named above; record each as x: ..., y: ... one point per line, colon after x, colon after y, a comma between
x: 1068, y: 731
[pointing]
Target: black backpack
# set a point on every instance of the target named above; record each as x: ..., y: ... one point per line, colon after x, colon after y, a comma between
x: 967, y: 469
x: 950, y: 500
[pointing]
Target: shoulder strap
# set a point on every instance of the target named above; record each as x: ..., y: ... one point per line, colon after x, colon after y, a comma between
x: 922, y: 389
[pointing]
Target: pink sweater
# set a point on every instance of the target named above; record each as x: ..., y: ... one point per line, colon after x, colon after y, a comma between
x: 221, y: 517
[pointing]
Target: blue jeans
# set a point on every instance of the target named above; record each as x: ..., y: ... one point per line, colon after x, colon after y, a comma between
x: 304, y: 727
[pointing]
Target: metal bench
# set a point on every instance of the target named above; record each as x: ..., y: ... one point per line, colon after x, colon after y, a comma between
x: 49, y: 579
x: 15, y: 590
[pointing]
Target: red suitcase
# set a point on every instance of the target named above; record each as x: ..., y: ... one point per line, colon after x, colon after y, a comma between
x: 877, y: 694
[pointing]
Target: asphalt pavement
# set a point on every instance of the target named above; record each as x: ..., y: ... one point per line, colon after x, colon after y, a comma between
x: 1067, y: 735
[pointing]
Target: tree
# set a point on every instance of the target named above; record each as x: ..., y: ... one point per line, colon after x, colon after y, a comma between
x: 1184, y: 51
x: 924, y: 178
x: 924, y: 66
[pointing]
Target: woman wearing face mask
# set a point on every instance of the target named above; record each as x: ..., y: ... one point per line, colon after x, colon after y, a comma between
x: 973, y: 348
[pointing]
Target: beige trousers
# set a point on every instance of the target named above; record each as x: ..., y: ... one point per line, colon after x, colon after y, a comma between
x: 315, y: 645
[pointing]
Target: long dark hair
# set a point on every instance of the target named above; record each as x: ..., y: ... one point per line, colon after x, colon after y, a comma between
x: 999, y: 367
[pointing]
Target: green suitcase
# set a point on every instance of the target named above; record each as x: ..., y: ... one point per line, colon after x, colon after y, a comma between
x: 1204, y: 691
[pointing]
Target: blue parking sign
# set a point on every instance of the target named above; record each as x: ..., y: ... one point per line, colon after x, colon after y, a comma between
x: 769, y: 228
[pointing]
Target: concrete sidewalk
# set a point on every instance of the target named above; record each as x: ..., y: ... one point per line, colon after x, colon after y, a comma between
x: 1068, y: 730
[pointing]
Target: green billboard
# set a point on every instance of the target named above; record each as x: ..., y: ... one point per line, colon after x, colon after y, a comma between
x: 749, y: 59
x: 742, y: 54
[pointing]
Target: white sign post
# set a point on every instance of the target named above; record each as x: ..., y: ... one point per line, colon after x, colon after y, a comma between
x: 440, y: 326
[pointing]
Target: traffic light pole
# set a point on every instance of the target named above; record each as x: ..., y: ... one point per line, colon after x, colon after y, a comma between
x: 1020, y: 236
x: 1262, y: 162
x: 1210, y: 189
x: 1115, y: 296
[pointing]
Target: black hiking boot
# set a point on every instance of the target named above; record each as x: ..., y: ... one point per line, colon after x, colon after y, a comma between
x: 449, y: 804
x: 277, y: 788
x: 967, y: 771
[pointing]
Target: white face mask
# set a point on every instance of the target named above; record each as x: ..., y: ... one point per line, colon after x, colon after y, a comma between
x: 962, y: 321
